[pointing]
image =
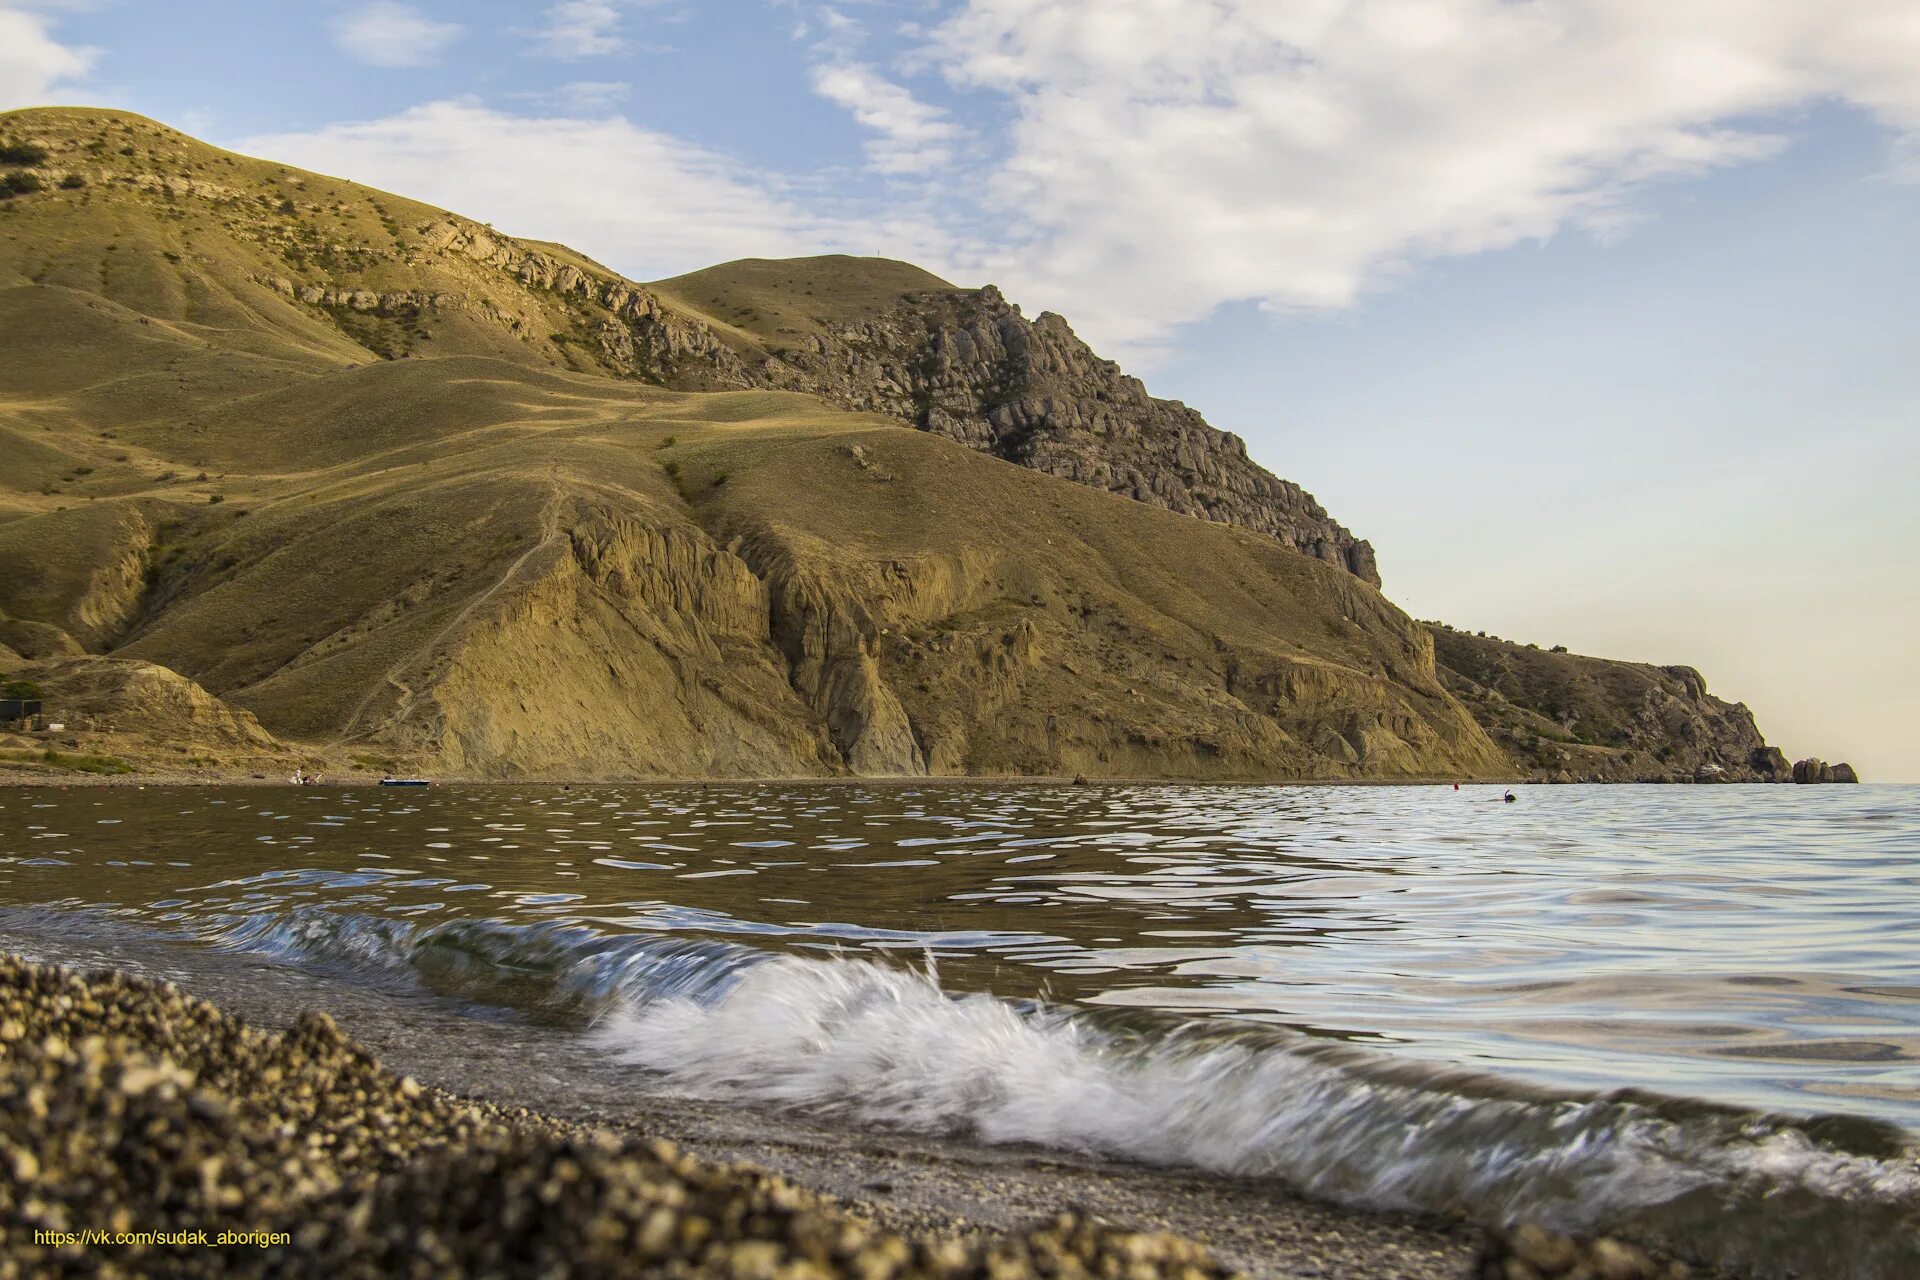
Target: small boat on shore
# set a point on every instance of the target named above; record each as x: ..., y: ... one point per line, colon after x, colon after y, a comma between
x: 404, y: 782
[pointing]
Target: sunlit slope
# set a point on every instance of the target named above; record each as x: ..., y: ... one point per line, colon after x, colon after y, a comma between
x: 300, y: 266
x: 750, y: 584
x: 1025, y: 624
x: 498, y: 570
x: 775, y: 303
x: 413, y: 493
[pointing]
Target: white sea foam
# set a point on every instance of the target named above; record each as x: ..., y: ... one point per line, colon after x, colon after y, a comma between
x: 890, y: 1047
x: 858, y: 1039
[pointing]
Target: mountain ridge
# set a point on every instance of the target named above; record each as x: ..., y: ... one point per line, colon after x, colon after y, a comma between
x: 409, y: 490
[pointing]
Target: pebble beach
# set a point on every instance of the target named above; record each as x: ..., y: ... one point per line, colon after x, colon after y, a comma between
x: 131, y: 1108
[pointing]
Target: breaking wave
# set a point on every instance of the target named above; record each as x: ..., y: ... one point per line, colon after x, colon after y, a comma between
x: 851, y: 1037
x: 1781, y: 1195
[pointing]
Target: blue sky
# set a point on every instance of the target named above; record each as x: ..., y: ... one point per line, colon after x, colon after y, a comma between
x: 1595, y: 315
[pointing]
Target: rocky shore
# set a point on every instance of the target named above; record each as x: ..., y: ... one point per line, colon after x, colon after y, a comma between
x: 128, y: 1106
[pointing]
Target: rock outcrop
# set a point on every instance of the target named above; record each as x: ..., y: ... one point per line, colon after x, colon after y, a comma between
x: 635, y: 334
x: 146, y: 700
x: 967, y: 365
x: 1811, y: 770
x: 119, y: 715
x: 1815, y: 770
x: 1569, y: 717
x: 627, y: 646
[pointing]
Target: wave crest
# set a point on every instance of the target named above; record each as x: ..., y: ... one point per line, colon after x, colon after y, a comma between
x: 884, y: 1046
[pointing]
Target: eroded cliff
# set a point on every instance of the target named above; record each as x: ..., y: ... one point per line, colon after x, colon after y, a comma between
x: 1565, y: 716
x: 967, y: 365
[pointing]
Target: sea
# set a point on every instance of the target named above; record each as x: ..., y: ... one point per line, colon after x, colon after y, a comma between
x: 1689, y: 1013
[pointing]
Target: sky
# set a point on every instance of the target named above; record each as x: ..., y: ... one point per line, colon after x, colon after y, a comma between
x: 1596, y: 316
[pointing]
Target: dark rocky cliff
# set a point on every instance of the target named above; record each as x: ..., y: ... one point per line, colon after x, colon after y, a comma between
x: 1564, y: 716
x: 967, y: 365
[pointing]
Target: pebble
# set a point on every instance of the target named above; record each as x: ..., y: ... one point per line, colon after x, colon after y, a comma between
x: 126, y: 1105
x: 1533, y: 1252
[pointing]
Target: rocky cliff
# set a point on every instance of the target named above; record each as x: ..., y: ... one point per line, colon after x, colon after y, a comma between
x: 1564, y: 716
x: 967, y: 365
x: 626, y: 323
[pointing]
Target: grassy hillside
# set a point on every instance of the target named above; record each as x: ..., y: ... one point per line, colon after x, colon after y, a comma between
x: 300, y: 269
x: 487, y: 569
x: 298, y: 469
x: 297, y: 267
x: 776, y: 303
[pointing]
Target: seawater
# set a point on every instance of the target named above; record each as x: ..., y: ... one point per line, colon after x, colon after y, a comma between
x: 1690, y: 1011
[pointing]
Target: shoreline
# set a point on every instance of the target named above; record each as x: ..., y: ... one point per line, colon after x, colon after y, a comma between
x: 36, y: 778
x: 909, y: 1184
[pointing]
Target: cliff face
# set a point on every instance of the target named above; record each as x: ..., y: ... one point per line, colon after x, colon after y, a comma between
x: 631, y: 645
x: 1570, y: 717
x: 1058, y: 630
x: 967, y: 365
x: 627, y: 324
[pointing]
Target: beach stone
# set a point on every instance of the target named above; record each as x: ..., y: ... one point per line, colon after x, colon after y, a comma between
x: 1613, y: 1260
x: 1542, y: 1249
x: 125, y: 1104
x: 1535, y: 1251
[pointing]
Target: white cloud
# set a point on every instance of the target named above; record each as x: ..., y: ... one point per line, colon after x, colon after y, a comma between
x: 34, y: 67
x: 582, y: 29
x: 578, y: 29
x: 585, y: 97
x: 646, y: 203
x: 1154, y: 159
x: 1167, y: 156
x: 390, y: 34
x: 913, y: 137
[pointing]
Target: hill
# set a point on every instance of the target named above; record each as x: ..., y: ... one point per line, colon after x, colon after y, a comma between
x: 775, y: 305
x: 314, y: 262
x: 404, y: 492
